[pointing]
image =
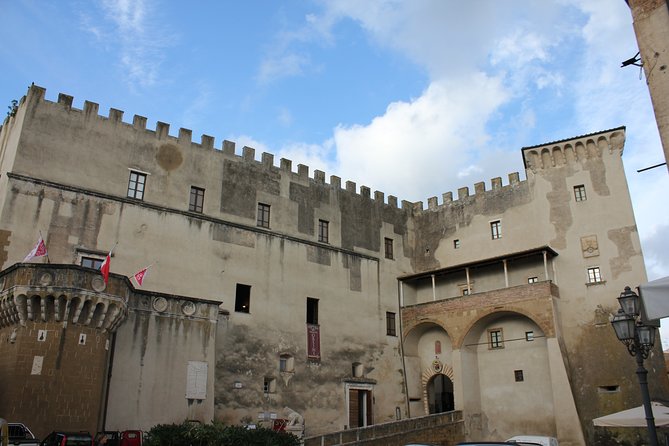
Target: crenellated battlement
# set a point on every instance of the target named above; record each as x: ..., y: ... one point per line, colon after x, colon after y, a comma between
x: 572, y: 151
x: 228, y: 149
x: 464, y: 197
x: 536, y: 158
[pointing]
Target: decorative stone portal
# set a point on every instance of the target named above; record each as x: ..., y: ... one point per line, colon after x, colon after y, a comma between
x: 437, y: 384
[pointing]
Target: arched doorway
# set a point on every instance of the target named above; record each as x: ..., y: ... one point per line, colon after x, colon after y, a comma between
x: 440, y: 394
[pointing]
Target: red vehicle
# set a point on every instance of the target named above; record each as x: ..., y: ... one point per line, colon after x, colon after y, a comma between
x: 116, y: 438
x: 58, y: 438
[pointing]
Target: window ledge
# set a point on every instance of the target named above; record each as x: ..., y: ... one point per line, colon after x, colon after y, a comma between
x: 602, y: 282
x: 359, y: 380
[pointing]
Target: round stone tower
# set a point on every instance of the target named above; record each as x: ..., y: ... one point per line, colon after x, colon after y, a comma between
x: 57, y: 324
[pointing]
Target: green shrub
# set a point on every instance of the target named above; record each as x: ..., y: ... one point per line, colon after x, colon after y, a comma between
x: 216, y: 434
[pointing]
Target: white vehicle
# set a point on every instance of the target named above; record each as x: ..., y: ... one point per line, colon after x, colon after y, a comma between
x: 543, y: 441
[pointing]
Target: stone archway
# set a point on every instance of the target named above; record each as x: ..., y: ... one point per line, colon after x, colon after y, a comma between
x: 440, y: 373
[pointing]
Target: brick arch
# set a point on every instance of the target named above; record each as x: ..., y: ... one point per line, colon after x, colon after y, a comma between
x: 548, y: 329
x: 407, y: 329
x: 427, y: 375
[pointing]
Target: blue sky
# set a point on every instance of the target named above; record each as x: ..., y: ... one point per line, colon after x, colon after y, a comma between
x: 412, y: 98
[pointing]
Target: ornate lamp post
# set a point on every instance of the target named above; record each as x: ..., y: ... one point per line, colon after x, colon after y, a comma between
x: 639, y: 340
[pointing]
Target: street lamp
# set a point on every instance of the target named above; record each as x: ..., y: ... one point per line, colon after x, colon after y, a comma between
x: 639, y: 339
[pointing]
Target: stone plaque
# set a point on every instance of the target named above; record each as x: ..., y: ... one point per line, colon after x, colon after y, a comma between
x: 589, y: 246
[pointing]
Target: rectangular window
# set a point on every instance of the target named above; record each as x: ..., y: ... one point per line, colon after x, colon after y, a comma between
x: 243, y: 298
x: 196, y: 199
x: 323, y: 231
x: 579, y: 193
x: 518, y: 374
x: 269, y: 385
x: 263, y: 215
x: 496, y: 229
x: 495, y: 339
x: 388, y: 243
x: 466, y: 290
x: 312, y: 311
x: 390, y: 324
x: 91, y: 262
x: 286, y: 363
x: 532, y: 279
x: 594, y: 275
x: 136, y: 185
x: 529, y: 336
x: 456, y: 244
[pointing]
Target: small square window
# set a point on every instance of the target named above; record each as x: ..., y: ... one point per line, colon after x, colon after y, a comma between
x: 594, y: 275
x: 388, y: 243
x: 263, y: 215
x: 529, y: 336
x: 323, y: 231
x: 196, y: 203
x: 91, y: 262
x: 390, y: 324
x: 495, y: 338
x: 243, y: 298
x: 532, y: 279
x: 518, y: 375
x: 136, y: 185
x: 496, y: 229
x: 456, y: 243
x: 466, y: 290
x: 579, y: 193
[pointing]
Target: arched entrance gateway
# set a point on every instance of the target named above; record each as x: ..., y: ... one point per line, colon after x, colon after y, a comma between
x: 440, y: 394
x: 428, y: 358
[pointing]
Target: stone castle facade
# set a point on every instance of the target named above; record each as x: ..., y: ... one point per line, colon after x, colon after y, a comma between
x: 277, y: 294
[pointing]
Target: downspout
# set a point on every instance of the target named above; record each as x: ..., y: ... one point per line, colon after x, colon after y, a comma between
x: 102, y: 424
x: 400, y: 298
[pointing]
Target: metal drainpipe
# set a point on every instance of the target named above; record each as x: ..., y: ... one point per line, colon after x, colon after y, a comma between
x: 400, y: 298
x: 110, y: 363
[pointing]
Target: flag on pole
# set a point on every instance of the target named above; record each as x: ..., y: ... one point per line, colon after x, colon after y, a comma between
x: 104, y: 268
x: 38, y: 251
x: 139, y: 275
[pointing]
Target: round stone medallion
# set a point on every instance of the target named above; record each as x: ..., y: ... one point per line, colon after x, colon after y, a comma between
x: 45, y: 279
x: 188, y: 308
x: 160, y: 304
x: 98, y: 284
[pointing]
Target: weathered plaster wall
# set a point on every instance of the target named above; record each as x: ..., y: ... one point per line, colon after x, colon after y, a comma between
x: 149, y: 377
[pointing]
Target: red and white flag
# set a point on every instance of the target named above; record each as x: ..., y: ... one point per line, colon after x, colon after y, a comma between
x: 104, y: 268
x: 38, y: 251
x: 139, y: 275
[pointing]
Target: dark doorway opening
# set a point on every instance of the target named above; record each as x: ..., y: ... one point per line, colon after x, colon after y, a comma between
x: 440, y: 394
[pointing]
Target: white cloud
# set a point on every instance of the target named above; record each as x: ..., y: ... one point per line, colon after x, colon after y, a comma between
x: 418, y: 146
x: 281, y: 64
x: 140, y: 43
